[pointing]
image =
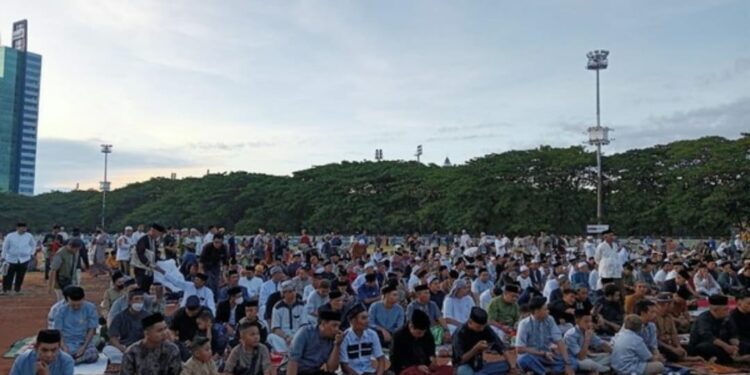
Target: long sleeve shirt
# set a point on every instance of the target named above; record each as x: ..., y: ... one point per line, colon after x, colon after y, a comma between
x: 629, y: 353
x: 608, y: 261
x: 389, y: 319
x: 205, y: 294
x: 18, y: 248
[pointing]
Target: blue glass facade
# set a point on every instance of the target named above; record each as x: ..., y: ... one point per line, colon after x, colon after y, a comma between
x: 20, y: 78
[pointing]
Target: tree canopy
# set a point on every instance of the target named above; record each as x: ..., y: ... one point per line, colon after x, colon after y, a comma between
x: 695, y: 187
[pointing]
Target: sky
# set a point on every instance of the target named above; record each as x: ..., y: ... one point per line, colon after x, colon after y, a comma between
x: 279, y: 86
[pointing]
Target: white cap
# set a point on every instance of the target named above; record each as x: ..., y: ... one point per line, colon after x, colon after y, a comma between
x: 128, y: 228
x: 582, y: 264
x: 524, y: 268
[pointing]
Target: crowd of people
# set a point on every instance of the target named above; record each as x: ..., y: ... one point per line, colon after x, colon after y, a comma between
x: 182, y: 302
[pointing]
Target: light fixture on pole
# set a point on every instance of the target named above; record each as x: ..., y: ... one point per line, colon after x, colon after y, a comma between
x: 106, y: 150
x: 419, y: 152
x: 598, y: 135
x: 379, y: 154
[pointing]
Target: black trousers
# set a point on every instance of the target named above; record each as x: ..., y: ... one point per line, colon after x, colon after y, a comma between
x: 668, y: 354
x: 708, y: 350
x: 14, y: 278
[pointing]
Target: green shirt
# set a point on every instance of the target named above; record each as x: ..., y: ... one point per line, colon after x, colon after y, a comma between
x: 502, y: 312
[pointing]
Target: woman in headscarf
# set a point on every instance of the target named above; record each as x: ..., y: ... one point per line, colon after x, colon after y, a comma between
x: 457, y: 305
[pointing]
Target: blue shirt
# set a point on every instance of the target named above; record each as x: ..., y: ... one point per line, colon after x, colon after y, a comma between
x: 390, y: 319
x: 366, y: 292
x: 574, y: 341
x: 537, y: 334
x: 629, y: 353
x: 358, y: 351
x: 25, y: 364
x: 648, y: 334
x: 430, y: 308
x: 73, y: 324
x: 309, y: 349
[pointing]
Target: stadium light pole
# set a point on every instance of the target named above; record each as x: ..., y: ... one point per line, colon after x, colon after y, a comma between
x: 598, y: 135
x: 106, y: 150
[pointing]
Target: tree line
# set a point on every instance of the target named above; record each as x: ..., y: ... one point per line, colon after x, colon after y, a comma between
x: 693, y: 188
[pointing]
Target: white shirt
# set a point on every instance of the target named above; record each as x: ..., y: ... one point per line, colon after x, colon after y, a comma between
x: 458, y: 309
x: 124, y: 243
x: 660, y: 276
x: 253, y: 285
x: 609, y: 264
x: 550, y: 287
x: 589, y: 249
x: 18, y: 248
x: 485, y: 298
x: 205, y: 294
x: 623, y: 255
x: 269, y: 287
x: 525, y: 282
x: 465, y: 239
x: 594, y: 280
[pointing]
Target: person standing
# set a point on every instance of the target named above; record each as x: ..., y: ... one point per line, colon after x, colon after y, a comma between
x: 63, y: 267
x: 18, y: 247
x: 124, y: 243
x: 214, y: 255
x: 610, y: 268
x: 144, y: 258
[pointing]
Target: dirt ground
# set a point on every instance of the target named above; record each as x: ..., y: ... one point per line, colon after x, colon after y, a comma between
x: 22, y: 316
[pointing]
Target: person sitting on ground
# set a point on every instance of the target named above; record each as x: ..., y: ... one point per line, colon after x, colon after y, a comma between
x: 535, y: 335
x: 336, y: 303
x: 77, y: 321
x: 609, y: 312
x: 250, y: 357
x: 315, y: 349
x: 564, y: 310
x: 503, y: 312
x: 728, y: 280
x: 201, y: 362
x: 45, y: 358
x: 184, y: 322
x: 591, y: 352
x: 214, y: 332
x: 386, y: 316
x: 669, y: 340
x: 287, y: 318
x: 477, y: 350
x: 708, y: 337
x: 251, y: 316
x: 154, y: 355
x: 111, y: 295
x: 630, y: 355
x: 126, y: 328
x: 360, y: 345
x: 457, y: 305
x: 197, y: 288
x: 705, y: 283
x: 412, y: 350
x: 317, y: 298
x: 423, y: 303
x: 229, y: 312
x: 646, y: 310
x: 368, y: 293
x: 738, y: 324
x: 641, y: 290
x: 233, y: 281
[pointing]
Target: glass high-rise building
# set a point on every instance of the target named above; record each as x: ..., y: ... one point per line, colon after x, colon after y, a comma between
x: 20, y: 74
